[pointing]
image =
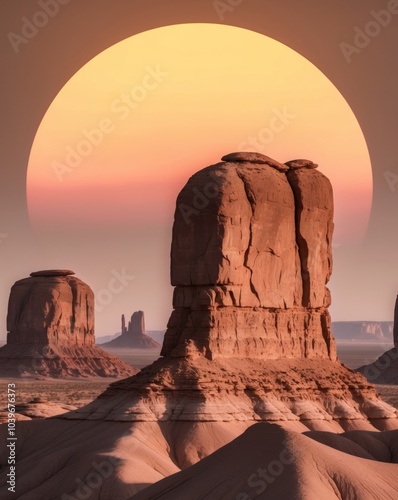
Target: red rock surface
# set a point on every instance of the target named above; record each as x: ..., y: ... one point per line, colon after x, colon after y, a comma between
x: 250, y: 267
x: 51, y: 307
x: 50, y: 325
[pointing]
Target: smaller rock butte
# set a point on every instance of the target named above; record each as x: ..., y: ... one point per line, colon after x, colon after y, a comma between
x: 50, y: 325
x: 51, y: 307
x: 134, y: 335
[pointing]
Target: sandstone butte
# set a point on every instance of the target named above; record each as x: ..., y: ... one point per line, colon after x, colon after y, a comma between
x: 133, y: 336
x: 50, y: 325
x: 248, y: 345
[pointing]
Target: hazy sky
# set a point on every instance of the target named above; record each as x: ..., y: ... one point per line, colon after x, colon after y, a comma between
x: 111, y: 146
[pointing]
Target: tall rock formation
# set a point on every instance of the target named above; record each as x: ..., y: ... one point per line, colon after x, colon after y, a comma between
x: 363, y: 330
x: 250, y: 335
x: 134, y: 336
x: 250, y: 267
x: 137, y: 324
x: 50, y: 330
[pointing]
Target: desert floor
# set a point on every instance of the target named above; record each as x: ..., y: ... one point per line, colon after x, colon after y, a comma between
x: 78, y: 392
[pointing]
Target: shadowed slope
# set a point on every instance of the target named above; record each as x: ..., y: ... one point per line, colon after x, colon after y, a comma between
x: 270, y: 463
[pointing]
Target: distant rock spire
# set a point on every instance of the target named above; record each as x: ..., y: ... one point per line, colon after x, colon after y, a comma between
x: 137, y: 324
x: 134, y: 335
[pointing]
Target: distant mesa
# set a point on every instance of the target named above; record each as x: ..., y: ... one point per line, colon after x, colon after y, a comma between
x: 133, y: 336
x: 50, y: 325
x: 363, y: 331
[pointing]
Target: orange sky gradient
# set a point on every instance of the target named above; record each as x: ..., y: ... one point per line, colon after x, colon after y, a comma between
x: 175, y: 99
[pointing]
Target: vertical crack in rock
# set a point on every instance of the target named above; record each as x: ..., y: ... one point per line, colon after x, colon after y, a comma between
x: 73, y: 288
x: 192, y: 280
x: 302, y: 247
x: 314, y: 227
x: 253, y: 261
x: 86, y: 332
x: 252, y: 203
x: 327, y: 335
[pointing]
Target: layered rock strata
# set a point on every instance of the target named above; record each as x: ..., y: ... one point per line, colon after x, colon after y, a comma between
x: 51, y: 307
x: 50, y: 325
x: 250, y: 259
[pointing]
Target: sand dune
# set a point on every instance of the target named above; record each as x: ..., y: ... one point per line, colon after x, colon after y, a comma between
x: 117, y: 460
x: 271, y: 463
x: 112, y: 460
